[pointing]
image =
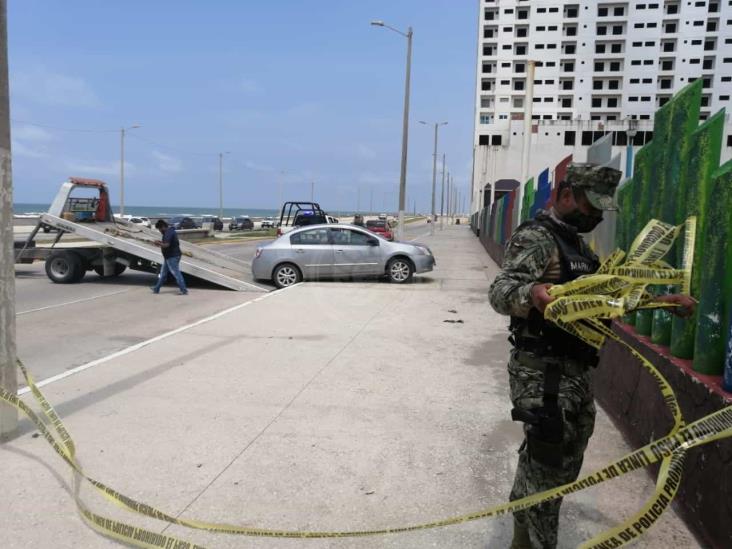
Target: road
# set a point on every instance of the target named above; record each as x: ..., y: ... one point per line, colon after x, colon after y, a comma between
x: 64, y: 326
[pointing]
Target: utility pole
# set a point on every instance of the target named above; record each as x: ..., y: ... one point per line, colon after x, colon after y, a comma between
x: 405, y: 124
x: 123, y: 131
x: 371, y: 203
x: 122, y: 172
x: 221, y: 184
x: 434, y: 175
x: 442, y: 200
x: 281, y: 184
x: 449, y: 196
x: 358, y: 199
x: 312, y: 191
x: 8, y: 372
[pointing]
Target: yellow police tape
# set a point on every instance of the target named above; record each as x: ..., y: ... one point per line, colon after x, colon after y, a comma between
x: 573, y: 310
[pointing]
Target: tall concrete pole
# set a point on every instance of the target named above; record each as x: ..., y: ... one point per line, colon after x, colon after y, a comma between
x: 8, y: 372
x: 122, y: 172
x: 449, y: 197
x: 442, y: 200
x: 434, y: 181
x: 405, y: 138
x: 221, y: 185
x: 434, y: 174
x: 122, y: 133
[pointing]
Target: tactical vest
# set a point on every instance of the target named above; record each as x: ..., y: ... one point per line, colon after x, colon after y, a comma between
x: 537, y: 335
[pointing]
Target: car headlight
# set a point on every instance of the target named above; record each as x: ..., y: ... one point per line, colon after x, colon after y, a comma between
x: 424, y: 250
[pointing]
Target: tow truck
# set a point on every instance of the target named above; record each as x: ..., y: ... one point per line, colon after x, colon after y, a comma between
x: 111, y: 245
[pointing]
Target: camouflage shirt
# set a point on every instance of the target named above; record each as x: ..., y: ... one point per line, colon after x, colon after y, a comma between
x: 531, y: 257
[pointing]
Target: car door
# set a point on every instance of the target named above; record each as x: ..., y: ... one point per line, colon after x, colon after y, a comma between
x: 353, y: 255
x: 313, y: 253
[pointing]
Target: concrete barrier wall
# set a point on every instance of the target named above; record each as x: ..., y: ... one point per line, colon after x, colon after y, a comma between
x: 631, y: 397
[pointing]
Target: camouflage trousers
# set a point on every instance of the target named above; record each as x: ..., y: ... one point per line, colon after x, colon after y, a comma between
x: 578, y: 409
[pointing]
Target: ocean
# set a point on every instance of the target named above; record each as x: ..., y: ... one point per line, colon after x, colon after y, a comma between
x: 161, y: 211
x: 171, y: 211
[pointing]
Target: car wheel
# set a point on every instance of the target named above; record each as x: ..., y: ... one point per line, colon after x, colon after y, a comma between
x: 286, y: 275
x: 118, y: 269
x: 64, y: 267
x: 399, y: 270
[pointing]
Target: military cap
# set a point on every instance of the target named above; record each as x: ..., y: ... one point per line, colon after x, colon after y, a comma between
x: 598, y: 182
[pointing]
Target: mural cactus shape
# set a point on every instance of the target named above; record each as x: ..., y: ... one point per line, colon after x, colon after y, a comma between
x: 683, y: 118
x: 703, y: 161
x: 715, y: 281
x: 528, y: 200
x: 675, y: 176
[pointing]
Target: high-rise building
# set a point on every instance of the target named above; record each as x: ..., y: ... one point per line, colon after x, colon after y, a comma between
x: 598, y: 65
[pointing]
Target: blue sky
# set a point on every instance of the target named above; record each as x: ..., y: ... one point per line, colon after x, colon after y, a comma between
x: 297, y: 91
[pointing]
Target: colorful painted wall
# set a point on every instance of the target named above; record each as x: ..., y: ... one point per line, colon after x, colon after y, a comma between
x: 676, y: 175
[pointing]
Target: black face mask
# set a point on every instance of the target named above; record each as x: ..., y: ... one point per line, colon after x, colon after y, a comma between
x: 584, y: 223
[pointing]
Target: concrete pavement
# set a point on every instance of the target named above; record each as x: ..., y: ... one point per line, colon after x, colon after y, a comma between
x: 326, y: 406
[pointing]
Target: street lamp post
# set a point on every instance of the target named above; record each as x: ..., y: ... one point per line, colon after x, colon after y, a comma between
x: 8, y: 368
x: 434, y: 174
x: 405, y: 125
x: 122, y: 167
x: 442, y: 200
x: 630, y: 133
x: 221, y: 184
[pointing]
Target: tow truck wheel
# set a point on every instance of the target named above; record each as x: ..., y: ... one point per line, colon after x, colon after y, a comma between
x: 118, y: 269
x: 64, y: 267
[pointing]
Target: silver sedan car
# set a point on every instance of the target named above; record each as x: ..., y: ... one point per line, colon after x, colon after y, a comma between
x: 331, y: 251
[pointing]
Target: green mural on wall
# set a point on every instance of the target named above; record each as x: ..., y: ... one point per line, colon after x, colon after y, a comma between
x: 715, y: 280
x: 675, y: 176
x: 528, y: 200
x: 681, y: 118
x: 703, y: 161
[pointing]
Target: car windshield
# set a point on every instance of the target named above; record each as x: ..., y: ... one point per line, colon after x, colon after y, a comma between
x: 241, y: 219
x: 377, y: 224
x: 309, y: 218
x: 176, y: 220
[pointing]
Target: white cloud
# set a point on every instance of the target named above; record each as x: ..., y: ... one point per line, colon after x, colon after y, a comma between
x: 51, y: 88
x: 32, y: 133
x: 365, y: 152
x: 167, y: 163
x: 97, y: 170
x: 367, y: 178
x: 258, y: 167
x: 19, y: 149
x: 249, y: 86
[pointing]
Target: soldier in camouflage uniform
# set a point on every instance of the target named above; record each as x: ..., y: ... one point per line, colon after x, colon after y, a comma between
x: 549, y: 369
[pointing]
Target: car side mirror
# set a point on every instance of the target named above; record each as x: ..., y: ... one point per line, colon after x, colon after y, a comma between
x: 373, y: 242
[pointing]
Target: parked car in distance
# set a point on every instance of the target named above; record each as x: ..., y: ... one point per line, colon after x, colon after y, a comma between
x: 144, y: 221
x: 337, y: 250
x: 382, y: 216
x: 183, y: 223
x: 218, y: 225
x: 358, y: 220
x: 268, y: 223
x: 380, y: 227
x: 332, y: 219
x: 241, y: 223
